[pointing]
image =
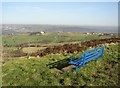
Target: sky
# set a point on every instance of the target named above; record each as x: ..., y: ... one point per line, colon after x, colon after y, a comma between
x: 61, y: 13
x: 60, y: 0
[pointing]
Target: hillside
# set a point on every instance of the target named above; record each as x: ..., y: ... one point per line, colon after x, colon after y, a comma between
x: 35, y: 72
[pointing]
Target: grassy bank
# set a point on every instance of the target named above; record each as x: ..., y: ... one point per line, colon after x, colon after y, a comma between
x: 35, y: 72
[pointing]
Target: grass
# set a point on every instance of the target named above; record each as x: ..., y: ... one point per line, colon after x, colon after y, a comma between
x: 20, y: 71
x: 13, y: 40
x: 34, y: 72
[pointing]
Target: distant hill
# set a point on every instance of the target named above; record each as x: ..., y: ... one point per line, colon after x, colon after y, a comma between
x: 24, y: 28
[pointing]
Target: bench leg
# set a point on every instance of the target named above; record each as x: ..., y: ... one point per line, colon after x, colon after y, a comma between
x: 76, y: 68
x: 96, y: 59
x: 101, y: 55
x: 83, y: 64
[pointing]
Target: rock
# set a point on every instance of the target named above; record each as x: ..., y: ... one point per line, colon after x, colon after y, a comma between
x: 68, y: 68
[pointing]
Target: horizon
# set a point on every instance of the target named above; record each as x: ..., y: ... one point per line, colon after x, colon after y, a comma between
x: 64, y: 25
x: 55, y: 28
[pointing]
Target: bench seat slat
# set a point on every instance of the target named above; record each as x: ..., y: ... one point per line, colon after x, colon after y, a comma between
x: 77, y: 61
x: 87, y: 60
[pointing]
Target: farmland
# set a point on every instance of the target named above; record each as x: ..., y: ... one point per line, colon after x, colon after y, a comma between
x: 49, y: 38
x: 20, y: 63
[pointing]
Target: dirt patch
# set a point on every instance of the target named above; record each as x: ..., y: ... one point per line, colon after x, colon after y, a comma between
x: 30, y: 50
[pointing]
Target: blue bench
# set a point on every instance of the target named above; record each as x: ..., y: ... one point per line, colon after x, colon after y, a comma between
x: 87, y: 56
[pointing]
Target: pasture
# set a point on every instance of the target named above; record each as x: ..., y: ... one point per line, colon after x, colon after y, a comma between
x: 49, y: 38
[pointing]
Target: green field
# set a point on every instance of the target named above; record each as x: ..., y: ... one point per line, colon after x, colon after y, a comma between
x: 13, y: 40
x: 34, y: 71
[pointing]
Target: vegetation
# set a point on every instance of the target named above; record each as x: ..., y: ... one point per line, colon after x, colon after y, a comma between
x: 13, y: 40
x: 35, y: 72
x: 19, y: 70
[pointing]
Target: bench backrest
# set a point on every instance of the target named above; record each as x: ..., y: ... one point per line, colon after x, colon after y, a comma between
x: 94, y: 52
x: 91, y: 54
x: 88, y: 56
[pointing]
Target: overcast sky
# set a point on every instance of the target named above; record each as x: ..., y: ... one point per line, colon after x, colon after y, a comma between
x: 68, y: 13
